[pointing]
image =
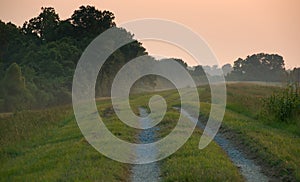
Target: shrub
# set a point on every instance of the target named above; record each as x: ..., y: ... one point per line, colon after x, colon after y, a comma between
x: 16, y: 95
x: 282, y: 106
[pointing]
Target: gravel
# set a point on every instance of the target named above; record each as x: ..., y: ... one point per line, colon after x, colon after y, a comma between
x: 250, y: 171
x: 146, y: 172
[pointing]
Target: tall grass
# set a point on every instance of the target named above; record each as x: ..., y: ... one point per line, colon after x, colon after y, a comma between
x: 47, y: 145
x: 275, y: 144
x: 26, y: 124
x: 283, y: 106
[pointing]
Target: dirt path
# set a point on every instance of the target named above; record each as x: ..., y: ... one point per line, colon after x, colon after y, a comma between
x: 146, y: 172
x: 250, y: 171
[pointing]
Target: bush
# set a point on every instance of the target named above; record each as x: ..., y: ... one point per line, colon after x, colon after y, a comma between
x: 16, y: 95
x: 282, y: 106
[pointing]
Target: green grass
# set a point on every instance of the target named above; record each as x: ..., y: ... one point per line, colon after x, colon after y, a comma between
x: 190, y: 163
x: 29, y: 124
x: 276, y: 144
x: 48, y: 145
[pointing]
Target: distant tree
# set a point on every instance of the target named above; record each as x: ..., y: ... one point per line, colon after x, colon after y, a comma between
x: 199, y: 75
x: 89, y: 21
x: 4, y: 38
x: 295, y: 75
x: 43, y: 26
x: 11, y: 44
x: 213, y: 70
x: 259, y: 67
x: 15, y: 93
x: 14, y: 82
x: 227, y: 68
x: 115, y: 62
x: 2, y: 73
x: 238, y: 64
x: 1, y: 69
x: 65, y: 29
x: 48, y: 49
x: 198, y: 71
x: 180, y: 61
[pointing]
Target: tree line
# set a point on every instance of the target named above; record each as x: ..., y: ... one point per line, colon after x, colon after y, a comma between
x: 38, y: 59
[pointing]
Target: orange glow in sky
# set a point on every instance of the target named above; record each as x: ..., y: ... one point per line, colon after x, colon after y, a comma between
x: 232, y: 28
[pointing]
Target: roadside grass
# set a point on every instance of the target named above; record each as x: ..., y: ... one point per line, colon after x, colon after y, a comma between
x: 274, y: 145
x: 48, y: 146
x: 279, y: 148
x: 190, y: 163
x: 21, y: 127
x: 277, y: 145
x: 246, y: 98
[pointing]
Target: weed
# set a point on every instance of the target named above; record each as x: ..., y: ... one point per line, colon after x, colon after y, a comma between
x: 282, y: 106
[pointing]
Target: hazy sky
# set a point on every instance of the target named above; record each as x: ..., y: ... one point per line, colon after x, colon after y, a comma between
x: 232, y: 28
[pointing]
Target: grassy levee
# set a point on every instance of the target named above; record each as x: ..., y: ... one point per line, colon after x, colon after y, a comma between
x: 190, y: 163
x: 48, y: 146
x: 276, y: 145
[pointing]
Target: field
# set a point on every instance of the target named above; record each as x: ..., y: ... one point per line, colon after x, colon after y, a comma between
x: 47, y: 145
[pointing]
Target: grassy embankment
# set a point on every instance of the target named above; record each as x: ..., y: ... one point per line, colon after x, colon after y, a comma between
x: 276, y: 144
x: 48, y: 145
x: 189, y: 163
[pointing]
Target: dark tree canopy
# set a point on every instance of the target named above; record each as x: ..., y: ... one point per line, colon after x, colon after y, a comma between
x: 259, y: 67
x: 90, y: 20
x: 43, y: 26
x: 227, y: 68
x: 295, y: 75
x: 47, y: 50
x: 199, y: 71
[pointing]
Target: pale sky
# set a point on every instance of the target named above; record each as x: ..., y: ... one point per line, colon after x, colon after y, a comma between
x: 232, y: 28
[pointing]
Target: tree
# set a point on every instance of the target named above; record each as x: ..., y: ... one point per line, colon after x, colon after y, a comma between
x: 259, y: 67
x: 16, y: 96
x: 295, y: 75
x: 11, y: 43
x: 43, y: 26
x: 48, y: 49
x: 227, y: 68
x: 237, y: 66
x: 65, y: 29
x: 118, y: 59
x: 14, y: 82
x: 199, y: 75
x: 198, y: 71
x: 89, y: 21
x: 180, y: 61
